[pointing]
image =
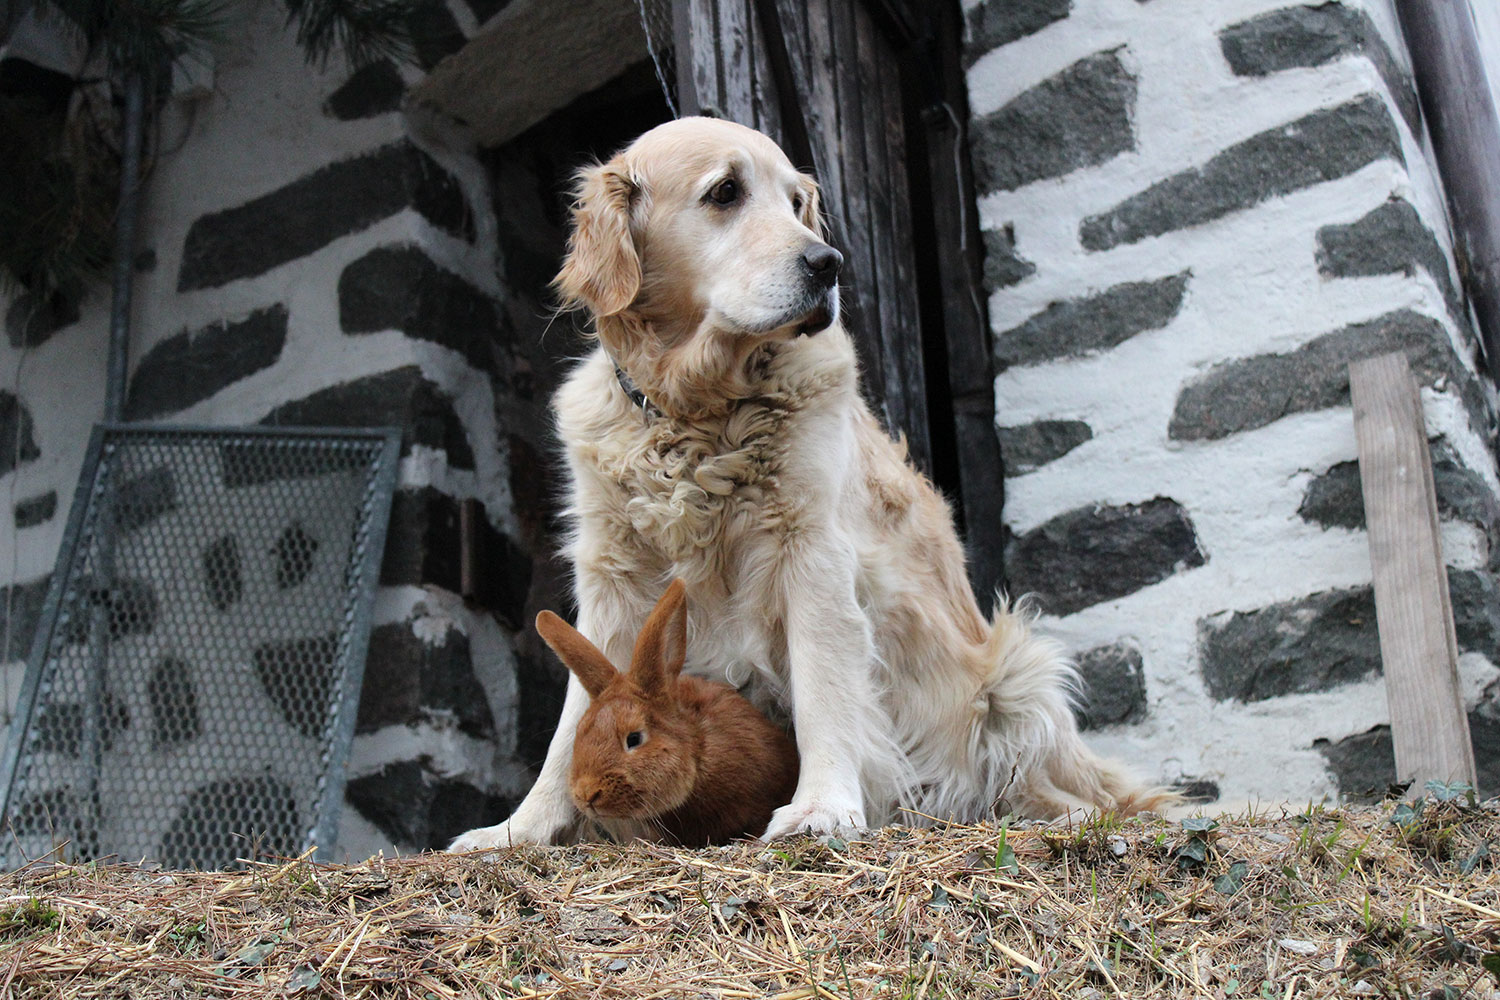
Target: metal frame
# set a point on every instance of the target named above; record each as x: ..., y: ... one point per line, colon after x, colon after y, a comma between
x: 324, y: 832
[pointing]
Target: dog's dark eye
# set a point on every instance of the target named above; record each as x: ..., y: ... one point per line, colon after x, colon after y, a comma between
x: 726, y: 192
x: 797, y: 203
x: 634, y: 739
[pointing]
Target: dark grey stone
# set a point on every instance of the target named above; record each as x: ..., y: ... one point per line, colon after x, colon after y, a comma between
x: 1389, y: 240
x: 1199, y: 791
x: 1330, y: 638
x: 401, y: 288
x: 1475, y: 596
x: 1096, y: 554
x: 373, y: 89
x: 1310, y: 644
x: 224, y: 821
x: 999, y: 22
x: 341, y: 198
x: 1363, y: 765
x: 36, y: 510
x: 59, y: 726
x: 17, y: 440
x: 1092, y: 324
x: 1253, y: 392
x: 222, y: 577
x: 406, y: 679
x: 20, y: 611
x: 298, y: 676
x: 420, y: 810
x: 423, y: 544
x: 174, y: 704
x: 1313, y: 36
x: 129, y: 607
x: 1336, y: 498
x: 1031, y: 446
x: 31, y: 319
x: 1003, y: 266
x: 1114, y: 686
x: 143, y: 498
x: 401, y: 398
x: 1079, y: 118
x: 434, y: 32
x: 296, y: 552
x: 36, y: 814
x: 190, y: 367
x: 1320, y: 147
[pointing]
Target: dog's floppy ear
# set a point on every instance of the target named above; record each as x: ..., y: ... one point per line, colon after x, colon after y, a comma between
x: 811, y: 215
x: 602, y: 269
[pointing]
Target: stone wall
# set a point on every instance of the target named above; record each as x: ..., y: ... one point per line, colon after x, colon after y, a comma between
x: 309, y: 257
x: 1195, y: 216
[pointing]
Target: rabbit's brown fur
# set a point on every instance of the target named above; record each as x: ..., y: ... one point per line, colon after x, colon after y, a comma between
x: 706, y: 766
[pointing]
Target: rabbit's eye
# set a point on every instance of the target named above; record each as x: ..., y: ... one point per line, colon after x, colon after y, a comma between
x: 634, y: 739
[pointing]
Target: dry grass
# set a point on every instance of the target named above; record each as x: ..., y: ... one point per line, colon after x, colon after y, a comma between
x: 1332, y: 902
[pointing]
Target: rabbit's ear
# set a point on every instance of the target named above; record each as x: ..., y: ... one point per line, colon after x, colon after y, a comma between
x: 662, y: 646
x: 591, y: 667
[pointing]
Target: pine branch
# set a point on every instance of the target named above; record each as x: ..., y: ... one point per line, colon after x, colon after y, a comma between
x: 364, y: 30
x: 146, y: 36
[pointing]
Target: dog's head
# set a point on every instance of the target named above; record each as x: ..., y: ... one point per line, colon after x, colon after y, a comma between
x: 701, y: 228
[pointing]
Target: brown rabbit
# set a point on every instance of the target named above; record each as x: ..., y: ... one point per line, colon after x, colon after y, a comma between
x: 666, y: 756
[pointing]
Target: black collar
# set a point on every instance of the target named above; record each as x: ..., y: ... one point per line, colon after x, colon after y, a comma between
x: 633, y: 392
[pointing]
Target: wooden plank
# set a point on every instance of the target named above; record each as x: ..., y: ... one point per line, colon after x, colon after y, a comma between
x: 861, y: 308
x: 905, y: 331
x: 767, y: 99
x: 811, y: 50
x: 1465, y: 130
x: 1418, y: 648
x: 878, y: 195
x: 694, y: 28
x: 960, y: 296
x: 737, y: 90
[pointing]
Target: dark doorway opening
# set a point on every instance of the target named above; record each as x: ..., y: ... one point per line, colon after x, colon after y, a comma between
x: 531, y: 179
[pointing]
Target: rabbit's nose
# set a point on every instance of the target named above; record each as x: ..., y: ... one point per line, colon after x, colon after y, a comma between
x: 594, y: 796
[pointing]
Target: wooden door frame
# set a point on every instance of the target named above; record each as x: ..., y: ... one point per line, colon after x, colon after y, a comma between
x: 954, y: 329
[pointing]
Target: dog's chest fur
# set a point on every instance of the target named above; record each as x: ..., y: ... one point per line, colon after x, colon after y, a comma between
x: 683, y: 484
x: 691, y: 489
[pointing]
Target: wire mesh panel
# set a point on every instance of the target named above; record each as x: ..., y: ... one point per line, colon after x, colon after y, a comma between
x: 191, y: 691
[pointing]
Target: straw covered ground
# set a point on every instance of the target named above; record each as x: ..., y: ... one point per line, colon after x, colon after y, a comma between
x: 1383, y: 901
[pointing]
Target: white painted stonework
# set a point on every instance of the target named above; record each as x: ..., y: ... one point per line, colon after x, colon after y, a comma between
x: 261, y: 127
x: 1255, y: 288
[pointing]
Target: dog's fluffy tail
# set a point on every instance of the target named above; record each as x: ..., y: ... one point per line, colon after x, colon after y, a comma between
x: 1025, y: 754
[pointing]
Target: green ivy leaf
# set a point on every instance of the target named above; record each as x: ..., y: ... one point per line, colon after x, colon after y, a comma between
x: 1230, y: 882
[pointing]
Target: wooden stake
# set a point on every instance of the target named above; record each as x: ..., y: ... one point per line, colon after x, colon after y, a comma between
x: 1429, y: 729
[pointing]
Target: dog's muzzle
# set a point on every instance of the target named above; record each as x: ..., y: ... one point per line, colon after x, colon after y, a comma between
x: 820, y: 266
x: 821, y: 263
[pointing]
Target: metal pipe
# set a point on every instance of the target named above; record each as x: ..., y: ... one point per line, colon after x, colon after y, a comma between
x: 126, y: 217
x: 1465, y: 132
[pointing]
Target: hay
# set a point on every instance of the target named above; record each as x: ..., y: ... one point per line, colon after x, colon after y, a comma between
x: 1330, y: 902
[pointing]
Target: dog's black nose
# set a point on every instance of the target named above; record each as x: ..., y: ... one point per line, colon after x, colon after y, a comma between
x: 822, y: 262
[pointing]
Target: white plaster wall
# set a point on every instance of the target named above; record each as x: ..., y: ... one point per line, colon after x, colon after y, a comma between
x: 1487, y: 26
x: 259, y: 127
x: 1255, y: 289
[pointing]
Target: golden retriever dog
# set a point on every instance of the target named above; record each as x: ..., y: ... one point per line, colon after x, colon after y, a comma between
x: 819, y: 563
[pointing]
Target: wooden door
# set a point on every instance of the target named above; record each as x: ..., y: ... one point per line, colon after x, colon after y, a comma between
x: 877, y: 108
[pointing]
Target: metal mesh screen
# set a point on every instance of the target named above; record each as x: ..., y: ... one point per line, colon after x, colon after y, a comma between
x: 191, y: 691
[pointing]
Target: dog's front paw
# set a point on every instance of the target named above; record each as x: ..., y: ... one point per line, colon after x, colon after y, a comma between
x: 489, y: 838
x: 815, y: 817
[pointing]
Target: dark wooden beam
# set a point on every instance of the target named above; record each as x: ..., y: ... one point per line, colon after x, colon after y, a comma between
x: 1465, y: 134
